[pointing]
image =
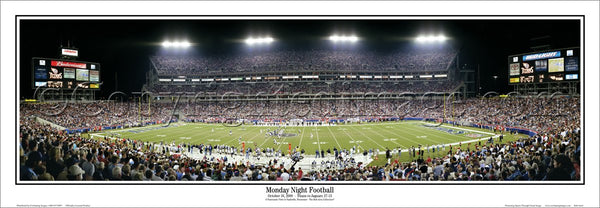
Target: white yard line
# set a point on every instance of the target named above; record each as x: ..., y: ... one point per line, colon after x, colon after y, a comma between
x: 346, y: 132
x: 371, y: 139
x: 301, y: 136
x: 332, y: 134
x: 318, y: 142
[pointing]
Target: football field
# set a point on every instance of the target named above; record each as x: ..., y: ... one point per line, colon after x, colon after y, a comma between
x: 310, y: 138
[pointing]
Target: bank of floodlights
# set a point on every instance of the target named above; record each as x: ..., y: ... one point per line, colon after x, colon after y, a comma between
x: 342, y: 38
x: 431, y: 38
x: 176, y: 44
x: 264, y: 40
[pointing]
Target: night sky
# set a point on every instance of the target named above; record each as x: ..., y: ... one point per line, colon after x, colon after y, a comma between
x: 122, y: 47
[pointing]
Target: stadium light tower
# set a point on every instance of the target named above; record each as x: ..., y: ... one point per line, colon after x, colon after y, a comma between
x: 343, y: 38
x: 431, y: 39
x: 176, y: 44
x: 263, y: 40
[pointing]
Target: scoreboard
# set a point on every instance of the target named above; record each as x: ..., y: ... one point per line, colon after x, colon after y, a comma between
x: 553, y: 66
x: 65, y: 74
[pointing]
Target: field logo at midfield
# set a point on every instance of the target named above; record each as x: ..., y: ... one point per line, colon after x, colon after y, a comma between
x: 474, y: 135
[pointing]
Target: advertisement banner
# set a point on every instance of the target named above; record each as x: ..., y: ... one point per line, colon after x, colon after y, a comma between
x: 572, y: 76
x: 514, y: 70
x: 40, y: 73
x: 537, y: 56
x: 527, y: 68
x: 69, y: 73
x: 55, y: 84
x: 557, y: 77
x: 527, y: 79
x: 94, y: 76
x: 572, y: 64
x: 514, y: 80
x: 69, y: 52
x: 541, y: 65
x: 68, y: 64
x: 55, y: 73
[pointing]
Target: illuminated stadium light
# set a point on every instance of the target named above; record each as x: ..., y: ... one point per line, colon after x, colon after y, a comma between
x: 337, y: 38
x: 265, y: 40
x: 176, y: 44
x: 431, y: 38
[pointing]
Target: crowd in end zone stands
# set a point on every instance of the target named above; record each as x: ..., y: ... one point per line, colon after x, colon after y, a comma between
x: 338, y: 60
x: 553, y: 154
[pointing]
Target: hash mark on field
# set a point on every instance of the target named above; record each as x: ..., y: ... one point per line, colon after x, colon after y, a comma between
x: 371, y: 139
x: 406, y: 138
x: 354, y: 141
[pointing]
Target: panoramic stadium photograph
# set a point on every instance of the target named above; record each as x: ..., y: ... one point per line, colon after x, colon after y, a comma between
x: 291, y: 99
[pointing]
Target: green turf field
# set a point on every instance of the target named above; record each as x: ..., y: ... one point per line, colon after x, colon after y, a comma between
x: 362, y: 136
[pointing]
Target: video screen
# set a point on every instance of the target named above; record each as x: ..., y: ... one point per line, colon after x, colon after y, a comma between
x: 527, y: 68
x: 94, y: 76
x: 40, y: 73
x: 94, y: 86
x: 572, y: 64
x: 541, y: 65
x: 69, y: 73
x: 83, y: 75
x: 556, y: 65
x: 514, y: 69
x: 514, y: 80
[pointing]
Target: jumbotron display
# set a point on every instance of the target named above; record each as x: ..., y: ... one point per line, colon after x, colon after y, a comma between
x: 65, y: 74
x: 545, y: 67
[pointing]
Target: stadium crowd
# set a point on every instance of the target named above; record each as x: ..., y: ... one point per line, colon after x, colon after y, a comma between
x: 553, y: 154
x: 304, y: 87
x: 312, y: 60
x: 538, y: 114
